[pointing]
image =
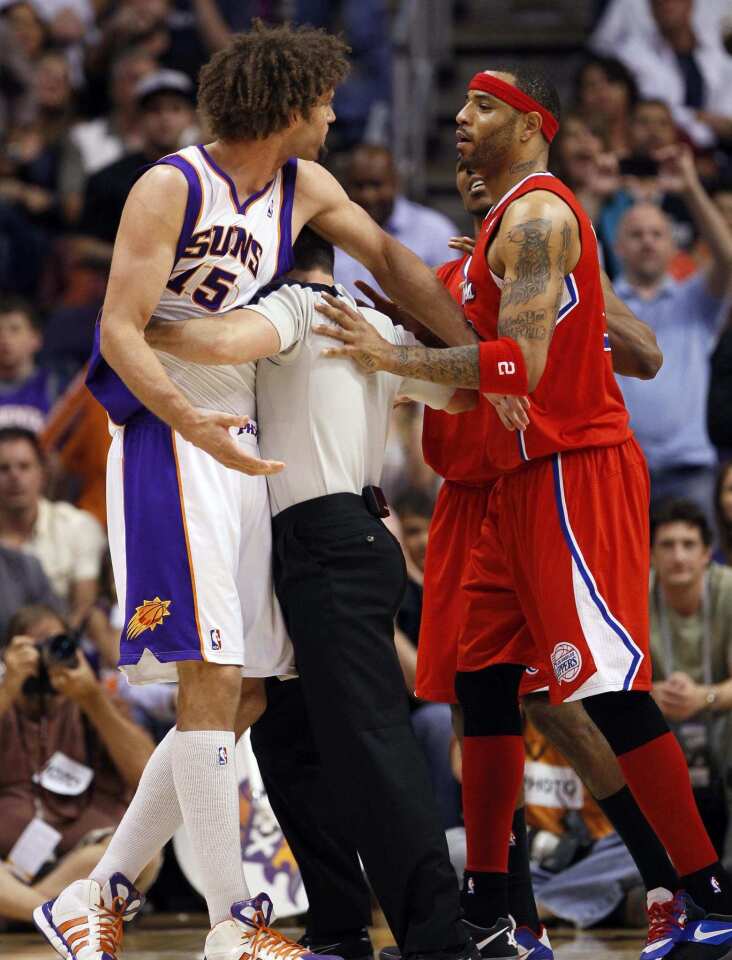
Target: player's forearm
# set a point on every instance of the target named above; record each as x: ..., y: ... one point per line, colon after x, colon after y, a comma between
x: 128, y: 745
x: 411, y: 284
x: 454, y: 366
x: 240, y: 336
x: 635, y: 351
x: 124, y: 348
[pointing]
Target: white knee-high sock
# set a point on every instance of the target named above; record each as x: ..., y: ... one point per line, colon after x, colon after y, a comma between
x: 150, y: 821
x: 207, y: 785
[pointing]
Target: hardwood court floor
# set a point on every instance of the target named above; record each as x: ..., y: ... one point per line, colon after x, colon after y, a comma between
x: 187, y: 944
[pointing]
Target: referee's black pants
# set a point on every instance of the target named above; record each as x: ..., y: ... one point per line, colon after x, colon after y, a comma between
x: 340, y: 575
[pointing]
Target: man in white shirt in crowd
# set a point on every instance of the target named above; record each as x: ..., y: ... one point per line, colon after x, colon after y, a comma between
x: 68, y: 542
x: 372, y: 181
x: 339, y: 575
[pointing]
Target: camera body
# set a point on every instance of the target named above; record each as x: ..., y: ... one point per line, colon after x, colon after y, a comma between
x: 59, y: 650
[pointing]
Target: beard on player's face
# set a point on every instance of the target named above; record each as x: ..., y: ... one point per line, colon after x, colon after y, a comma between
x: 492, y: 153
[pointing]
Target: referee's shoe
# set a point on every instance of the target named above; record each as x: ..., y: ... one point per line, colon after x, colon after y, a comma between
x: 487, y: 943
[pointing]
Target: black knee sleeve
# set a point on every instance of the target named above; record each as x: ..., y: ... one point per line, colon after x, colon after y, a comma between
x: 489, y: 699
x: 627, y: 720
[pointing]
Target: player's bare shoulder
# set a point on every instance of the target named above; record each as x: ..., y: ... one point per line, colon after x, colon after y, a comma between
x: 316, y: 192
x: 159, y: 196
x: 537, y: 226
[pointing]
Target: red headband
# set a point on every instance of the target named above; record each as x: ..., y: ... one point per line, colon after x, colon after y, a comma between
x: 515, y: 98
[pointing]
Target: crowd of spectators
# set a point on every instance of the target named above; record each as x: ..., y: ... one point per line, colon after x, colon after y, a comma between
x: 90, y: 93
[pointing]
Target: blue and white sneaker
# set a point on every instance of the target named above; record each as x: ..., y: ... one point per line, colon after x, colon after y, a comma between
x: 678, y: 929
x: 531, y: 946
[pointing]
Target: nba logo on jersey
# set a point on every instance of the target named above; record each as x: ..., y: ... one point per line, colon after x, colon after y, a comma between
x: 215, y: 635
x: 223, y: 757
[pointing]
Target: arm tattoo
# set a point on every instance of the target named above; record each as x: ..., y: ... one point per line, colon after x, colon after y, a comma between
x: 456, y: 366
x: 533, y: 268
x: 525, y: 325
x: 562, y: 258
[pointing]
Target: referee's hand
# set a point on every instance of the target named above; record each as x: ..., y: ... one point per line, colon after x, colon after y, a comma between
x: 361, y: 341
x: 212, y: 432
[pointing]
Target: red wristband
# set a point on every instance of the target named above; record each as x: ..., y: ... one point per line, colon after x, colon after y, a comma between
x: 503, y: 368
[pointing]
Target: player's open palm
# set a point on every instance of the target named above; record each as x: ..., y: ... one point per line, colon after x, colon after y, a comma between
x: 213, y: 433
x: 360, y: 341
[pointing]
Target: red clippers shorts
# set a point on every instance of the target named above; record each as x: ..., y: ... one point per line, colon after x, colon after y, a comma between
x: 454, y: 531
x: 564, y: 550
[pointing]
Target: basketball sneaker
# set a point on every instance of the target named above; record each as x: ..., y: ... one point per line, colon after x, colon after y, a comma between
x: 489, y: 943
x: 678, y: 929
x: 531, y: 946
x: 354, y: 946
x: 497, y: 942
x: 249, y: 935
x: 85, y: 920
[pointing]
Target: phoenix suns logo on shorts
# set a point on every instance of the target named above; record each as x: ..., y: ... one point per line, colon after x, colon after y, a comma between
x: 566, y: 661
x: 149, y: 615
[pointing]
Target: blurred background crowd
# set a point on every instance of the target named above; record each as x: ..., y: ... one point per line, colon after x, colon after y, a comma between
x: 93, y: 90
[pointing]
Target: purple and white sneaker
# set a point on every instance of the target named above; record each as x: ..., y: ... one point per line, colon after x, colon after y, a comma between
x: 248, y: 934
x: 531, y: 947
x: 85, y: 920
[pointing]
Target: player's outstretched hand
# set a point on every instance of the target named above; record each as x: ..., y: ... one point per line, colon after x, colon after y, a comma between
x: 211, y: 432
x: 513, y: 412
x: 463, y: 244
x: 361, y: 342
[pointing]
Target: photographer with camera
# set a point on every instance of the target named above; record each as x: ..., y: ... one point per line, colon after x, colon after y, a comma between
x: 70, y: 762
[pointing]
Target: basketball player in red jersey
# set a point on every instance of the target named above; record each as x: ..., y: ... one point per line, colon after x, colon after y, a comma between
x: 564, y: 544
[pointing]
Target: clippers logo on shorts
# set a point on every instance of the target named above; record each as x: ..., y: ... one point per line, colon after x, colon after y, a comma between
x: 468, y: 291
x: 149, y: 615
x: 215, y: 635
x: 566, y: 661
x: 223, y: 756
x: 506, y: 368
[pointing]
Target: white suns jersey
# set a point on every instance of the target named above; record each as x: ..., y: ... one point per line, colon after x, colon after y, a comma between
x: 227, y: 250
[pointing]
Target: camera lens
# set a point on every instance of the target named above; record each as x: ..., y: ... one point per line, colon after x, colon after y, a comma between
x: 62, y: 648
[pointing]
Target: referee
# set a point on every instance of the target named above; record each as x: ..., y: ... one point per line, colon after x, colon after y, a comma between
x: 342, y: 768
x: 340, y: 576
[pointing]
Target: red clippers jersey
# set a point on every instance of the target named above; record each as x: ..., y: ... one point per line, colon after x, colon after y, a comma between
x: 455, y: 445
x: 577, y: 403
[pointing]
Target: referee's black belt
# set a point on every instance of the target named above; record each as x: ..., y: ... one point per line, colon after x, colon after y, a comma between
x: 371, y: 499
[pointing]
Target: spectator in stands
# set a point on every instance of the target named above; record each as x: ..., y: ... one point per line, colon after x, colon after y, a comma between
x: 687, y: 68
x: 22, y: 582
x: 719, y: 420
x: 668, y: 415
x: 605, y: 93
x: 651, y: 130
x: 17, y: 107
x: 371, y: 180
x: 166, y: 102
x: 27, y: 392
x: 723, y: 512
x: 43, y: 173
x: 29, y: 30
x: 68, y: 542
x: 105, y: 139
x: 70, y: 758
x: 432, y: 722
x: 691, y: 628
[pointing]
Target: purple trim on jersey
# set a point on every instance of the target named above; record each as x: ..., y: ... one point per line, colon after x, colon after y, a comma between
x: 193, y: 202
x: 156, y: 548
x: 241, y: 207
x: 104, y: 384
x: 285, y: 258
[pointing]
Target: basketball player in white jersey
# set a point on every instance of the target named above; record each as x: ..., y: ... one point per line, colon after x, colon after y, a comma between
x: 202, y: 230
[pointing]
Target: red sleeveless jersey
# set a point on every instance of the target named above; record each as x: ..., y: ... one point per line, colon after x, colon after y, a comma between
x: 455, y: 445
x: 577, y: 403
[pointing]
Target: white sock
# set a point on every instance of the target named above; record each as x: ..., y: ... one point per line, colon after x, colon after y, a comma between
x: 207, y: 785
x: 150, y: 821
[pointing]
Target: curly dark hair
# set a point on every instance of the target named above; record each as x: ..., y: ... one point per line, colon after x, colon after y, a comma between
x: 251, y: 88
